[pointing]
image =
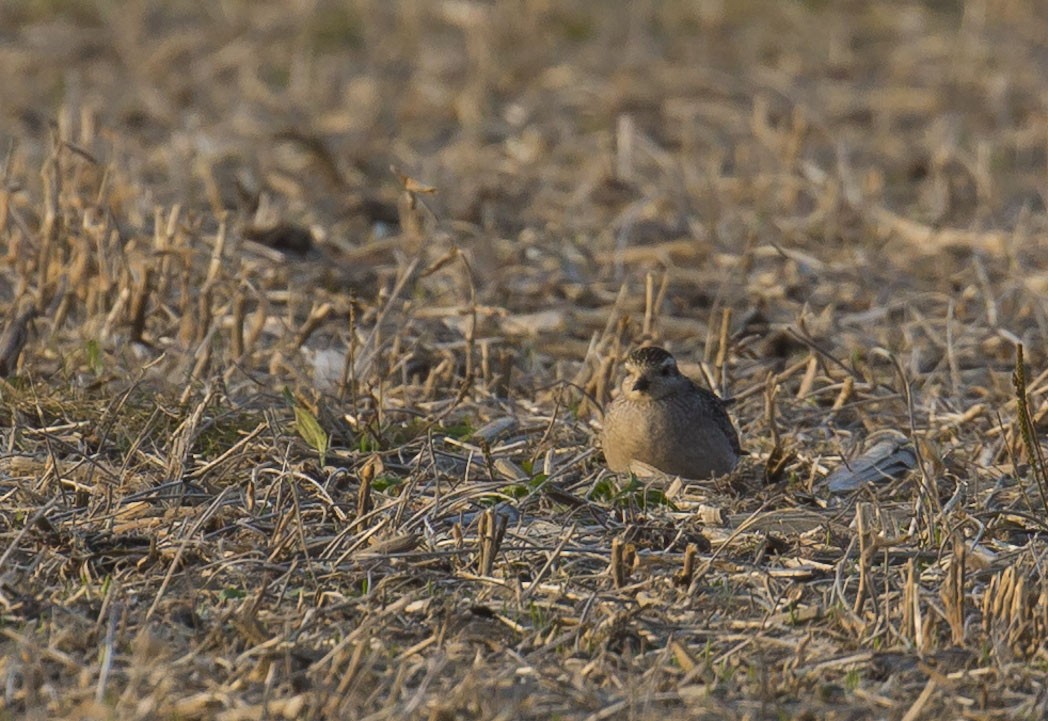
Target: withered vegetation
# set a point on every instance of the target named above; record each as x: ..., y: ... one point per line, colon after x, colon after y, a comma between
x: 309, y: 310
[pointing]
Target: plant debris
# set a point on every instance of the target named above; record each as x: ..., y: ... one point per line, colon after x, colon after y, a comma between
x: 310, y: 310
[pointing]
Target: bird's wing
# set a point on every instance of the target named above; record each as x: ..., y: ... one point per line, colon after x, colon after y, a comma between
x: 719, y: 413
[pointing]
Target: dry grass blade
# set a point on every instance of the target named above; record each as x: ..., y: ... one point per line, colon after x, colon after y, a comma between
x: 952, y: 592
x: 491, y: 530
x: 1033, y: 450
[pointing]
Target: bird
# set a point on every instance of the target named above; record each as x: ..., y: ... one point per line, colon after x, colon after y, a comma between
x: 661, y: 418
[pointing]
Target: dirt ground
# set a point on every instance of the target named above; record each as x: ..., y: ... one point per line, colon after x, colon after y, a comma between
x: 310, y: 309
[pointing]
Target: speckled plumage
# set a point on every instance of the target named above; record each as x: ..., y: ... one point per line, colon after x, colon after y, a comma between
x: 662, y: 418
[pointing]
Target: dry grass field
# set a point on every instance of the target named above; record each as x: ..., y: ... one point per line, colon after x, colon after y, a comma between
x: 310, y: 309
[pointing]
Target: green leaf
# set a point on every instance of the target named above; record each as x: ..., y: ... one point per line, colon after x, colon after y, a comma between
x: 517, y: 490
x: 94, y: 356
x: 385, y: 483
x: 460, y: 431
x: 602, y: 491
x: 311, y: 432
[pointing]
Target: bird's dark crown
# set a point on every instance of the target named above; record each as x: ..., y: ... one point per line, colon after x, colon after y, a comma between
x: 650, y: 357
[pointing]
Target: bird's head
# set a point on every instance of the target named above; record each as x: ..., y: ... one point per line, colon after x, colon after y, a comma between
x: 652, y: 374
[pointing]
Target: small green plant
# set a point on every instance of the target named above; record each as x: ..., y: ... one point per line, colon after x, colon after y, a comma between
x: 603, y: 490
x: 634, y: 493
x: 460, y: 430
x: 852, y: 679
x: 520, y: 490
x: 231, y: 593
x: 385, y: 483
x: 93, y: 351
x: 309, y: 428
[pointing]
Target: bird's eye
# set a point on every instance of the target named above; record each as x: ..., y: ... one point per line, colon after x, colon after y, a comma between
x: 665, y: 370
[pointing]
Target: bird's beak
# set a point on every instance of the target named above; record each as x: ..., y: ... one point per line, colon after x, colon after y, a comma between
x: 641, y: 384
